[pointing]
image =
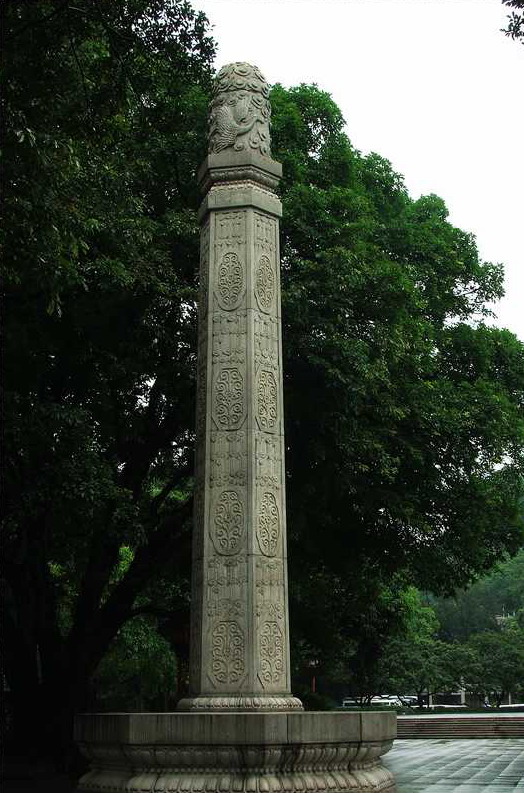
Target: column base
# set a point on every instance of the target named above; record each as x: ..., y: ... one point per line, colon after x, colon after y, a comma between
x: 236, y: 752
x: 241, y: 704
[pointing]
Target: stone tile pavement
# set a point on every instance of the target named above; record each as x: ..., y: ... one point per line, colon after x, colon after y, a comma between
x: 446, y: 765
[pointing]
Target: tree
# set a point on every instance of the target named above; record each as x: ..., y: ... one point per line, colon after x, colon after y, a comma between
x: 404, y: 422
x: 418, y: 661
x: 105, y: 114
x: 515, y: 28
x: 139, y: 670
x: 499, y: 664
x: 477, y: 609
x: 403, y: 409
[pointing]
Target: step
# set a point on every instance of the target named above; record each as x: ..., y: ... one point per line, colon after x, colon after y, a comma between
x: 460, y: 727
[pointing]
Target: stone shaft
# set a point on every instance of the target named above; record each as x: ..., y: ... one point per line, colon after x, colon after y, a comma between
x: 239, y: 621
x: 240, y: 639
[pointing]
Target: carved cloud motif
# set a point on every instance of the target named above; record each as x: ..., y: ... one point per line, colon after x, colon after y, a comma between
x: 240, y: 110
x: 264, y: 283
x: 228, y: 525
x: 268, y: 529
x: 227, y: 652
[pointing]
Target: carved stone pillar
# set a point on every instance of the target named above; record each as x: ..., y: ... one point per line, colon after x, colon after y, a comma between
x: 239, y: 616
x: 239, y: 654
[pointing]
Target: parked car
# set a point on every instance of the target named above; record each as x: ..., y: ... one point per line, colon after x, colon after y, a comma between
x: 408, y: 699
x: 387, y: 701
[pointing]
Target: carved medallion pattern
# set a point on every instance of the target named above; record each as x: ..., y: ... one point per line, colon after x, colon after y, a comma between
x: 228, y: 524
x: 229, y: 399
x: 268, y: 528
x: 267, y: 400
x: 265, y: 284
x: 230, y: 281
x: 271, y: 653
x: 228, y: 650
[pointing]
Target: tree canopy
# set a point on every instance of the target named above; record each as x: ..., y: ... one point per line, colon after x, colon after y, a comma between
x: 105, y: 110
x: 515, y: 28
x: 404, y: 413
x: 404, y: 409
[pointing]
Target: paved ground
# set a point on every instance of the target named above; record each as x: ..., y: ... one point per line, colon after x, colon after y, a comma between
x: 446, y: 765
x: 439, y: 765
x: 493, y: 714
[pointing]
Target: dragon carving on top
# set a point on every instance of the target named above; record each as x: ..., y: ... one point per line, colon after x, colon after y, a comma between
x: 240, y: 110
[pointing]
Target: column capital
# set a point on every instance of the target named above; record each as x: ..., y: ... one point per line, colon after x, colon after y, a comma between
x: 236, y: 166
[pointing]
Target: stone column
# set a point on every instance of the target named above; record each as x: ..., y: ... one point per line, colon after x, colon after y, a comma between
x: 239, y: 656
x: 240, y: 641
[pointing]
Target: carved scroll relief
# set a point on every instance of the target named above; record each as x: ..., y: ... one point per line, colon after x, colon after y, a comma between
x: 230, y: 230
x: 268, y: 461
x: 265, y: 233
x: 227, y: 579
x: 267, y: 400
x: 271, y: 648
x: 266, y: 341
x: 271, y: 625
x: 229, y: 261
x: 196, y: 623
x: 265, y: 283
x: 229, y: 338
x: 230, y: 281
x: 228, y: 650
x: 228, y: 524
x: 204, y: 271
x: 265, y: 280
x: 228, y: 459
x: 229, y: 406
x: 268, y: 524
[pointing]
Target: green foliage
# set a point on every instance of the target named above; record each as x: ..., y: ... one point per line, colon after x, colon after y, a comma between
x: 475, y: 609
x: 404, y: 412
x: 515, y: 28
x: 105, y: 115
x: 416, y: 660
x: 498, y: 665
x: 139, y: 670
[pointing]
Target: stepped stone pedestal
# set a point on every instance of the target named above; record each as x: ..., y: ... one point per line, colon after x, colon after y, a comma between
x: 240, y: 752
x: 240, y: 728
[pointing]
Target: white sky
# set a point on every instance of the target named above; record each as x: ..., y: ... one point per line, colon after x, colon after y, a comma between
x: 432, y: 85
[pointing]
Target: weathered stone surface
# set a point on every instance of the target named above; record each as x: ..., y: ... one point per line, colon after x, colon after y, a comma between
x: 242, y: 752
x: 239, y: 632
x: 240, y: 110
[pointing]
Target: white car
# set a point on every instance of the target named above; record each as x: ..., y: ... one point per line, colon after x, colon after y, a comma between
x: 393, y: 702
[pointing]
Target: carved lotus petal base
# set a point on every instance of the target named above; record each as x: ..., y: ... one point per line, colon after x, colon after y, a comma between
x: 236, y: 752
x: 240, y: 703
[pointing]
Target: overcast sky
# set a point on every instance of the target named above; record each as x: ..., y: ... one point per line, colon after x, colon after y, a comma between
x: 432, y: 85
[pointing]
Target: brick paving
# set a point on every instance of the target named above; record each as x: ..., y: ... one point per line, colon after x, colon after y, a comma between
x: 494, y: 765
